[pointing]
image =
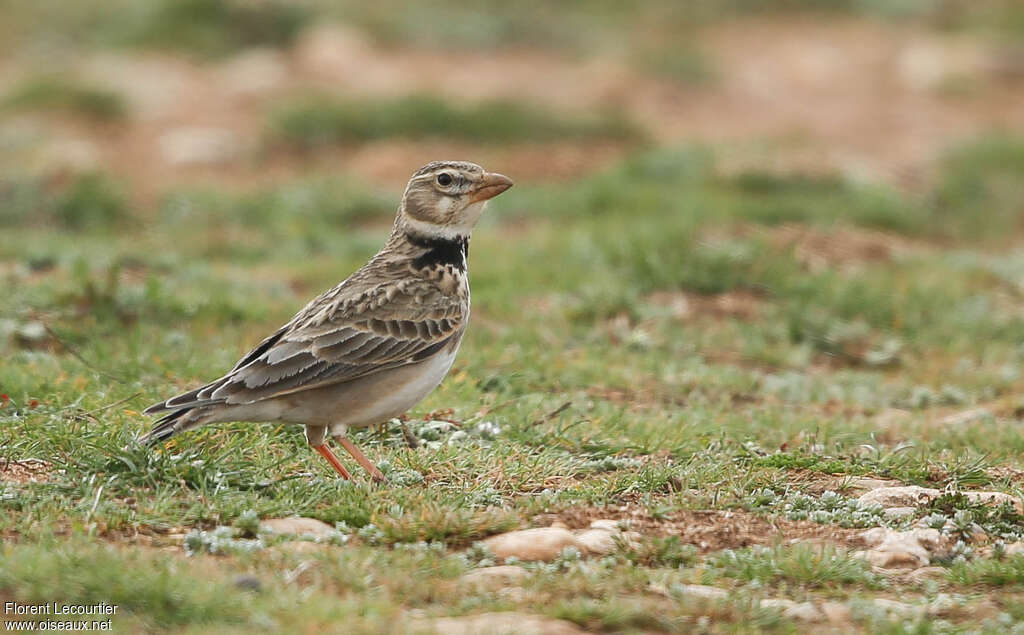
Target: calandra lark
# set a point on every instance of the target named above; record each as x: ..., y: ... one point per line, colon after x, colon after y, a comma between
x: 373, y: 346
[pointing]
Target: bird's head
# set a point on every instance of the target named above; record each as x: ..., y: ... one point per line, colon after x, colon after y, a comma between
x: 445, y: 198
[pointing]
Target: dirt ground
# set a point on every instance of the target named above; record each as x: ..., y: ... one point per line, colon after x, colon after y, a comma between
x: 848, y: 96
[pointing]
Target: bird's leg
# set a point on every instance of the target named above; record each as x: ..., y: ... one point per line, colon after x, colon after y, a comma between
x: 360, y: 458
x: 315, y: 436
x: 333, y: 460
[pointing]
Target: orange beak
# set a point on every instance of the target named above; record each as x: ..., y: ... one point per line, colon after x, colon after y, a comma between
x: 492, y: 185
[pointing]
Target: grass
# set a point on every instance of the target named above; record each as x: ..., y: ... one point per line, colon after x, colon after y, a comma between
x: 807, y: 566
x: 52, y: 92
x: 321, y: 121
x: 90, y: 201
x: 608, y: 373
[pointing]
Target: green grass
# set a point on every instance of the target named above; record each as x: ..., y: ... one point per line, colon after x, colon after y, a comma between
x: 209, y: 28
x: 63, y: 93
x: 806, y: 566
x: 89, y: 201
x: 989, y: 572
x: 107, y: 308
x: 321, y: 121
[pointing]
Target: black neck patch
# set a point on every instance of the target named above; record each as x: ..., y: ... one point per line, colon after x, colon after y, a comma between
x: 440, y: 251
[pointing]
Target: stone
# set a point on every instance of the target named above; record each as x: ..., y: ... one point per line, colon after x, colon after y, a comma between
x: 701, y: 591
x: 803, y: 611
x: 942, y: 605
x: 194, y: 145
x: 606, y: 524
x: 899, y: 513
x: 493, y: 577
x: 544, y: 543
x: 866, y: 484
x: 1014, y: 549
x: 965, y: 417
x: 302, y: 547
x: 597, y: 541
x: 902, y: 496
x: 896, y: 549
x: 901, y: 609
x: 498, y: 623
x: 254, y: 72
x: 297, y: 526
x: 918, y: 576
x: 995, y: 499
x: 836, y: 612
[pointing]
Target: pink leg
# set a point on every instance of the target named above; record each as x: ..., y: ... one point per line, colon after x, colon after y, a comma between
x: 333, y: 460
x: 361, y: 459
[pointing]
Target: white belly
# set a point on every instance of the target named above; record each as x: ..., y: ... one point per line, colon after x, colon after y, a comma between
x: 396, y: 394
x: 365, y: 401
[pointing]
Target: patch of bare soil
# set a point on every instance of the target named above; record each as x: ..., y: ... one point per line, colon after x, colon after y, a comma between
x: 841, y: 247
x: 739, y: 304
x: 714, y: 530
x: 25, y: 471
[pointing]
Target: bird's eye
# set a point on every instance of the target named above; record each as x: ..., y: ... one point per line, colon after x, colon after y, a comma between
x: 444, y: 179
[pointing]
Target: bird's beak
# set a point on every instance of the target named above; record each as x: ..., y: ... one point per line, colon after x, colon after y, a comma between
x: 491, y: 185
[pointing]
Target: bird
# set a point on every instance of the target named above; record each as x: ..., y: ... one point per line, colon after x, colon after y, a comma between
x: 372, y: 347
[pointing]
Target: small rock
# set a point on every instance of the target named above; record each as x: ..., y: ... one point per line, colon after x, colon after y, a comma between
x: 899, y: 513
x: 544, y: 543
x: 597, y: 541
x: 701, y: 591
x: 973, y: 415
x: 493, y: 577
x: 1014, y: 549
x: 297, y: 526
x: 658, y: 589
x: 504, y: 623
x: 899, y: 608
x: 866, y: 484
x: 942, y: 605
x: 248, y: 583
x: 903, y: 496
x: 925, y: 573
x: 189, y: 146
x: 606, y: 524
x: 803, y: 611
x: 893, y: 549
x: 254, y: 72
x: 995, y: 499
x: 302, y: 546
x: 836, y: 612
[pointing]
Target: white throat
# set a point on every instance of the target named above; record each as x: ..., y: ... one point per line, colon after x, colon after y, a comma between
x: 462, y: 228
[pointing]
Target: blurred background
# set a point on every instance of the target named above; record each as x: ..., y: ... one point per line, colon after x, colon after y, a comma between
x: 147, y: 97
x: 227, y: 159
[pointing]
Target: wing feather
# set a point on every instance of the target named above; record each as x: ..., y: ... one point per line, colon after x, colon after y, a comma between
x: 353, y: 341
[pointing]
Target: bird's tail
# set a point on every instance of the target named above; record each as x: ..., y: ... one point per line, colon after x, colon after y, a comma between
x: 171, y: 424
